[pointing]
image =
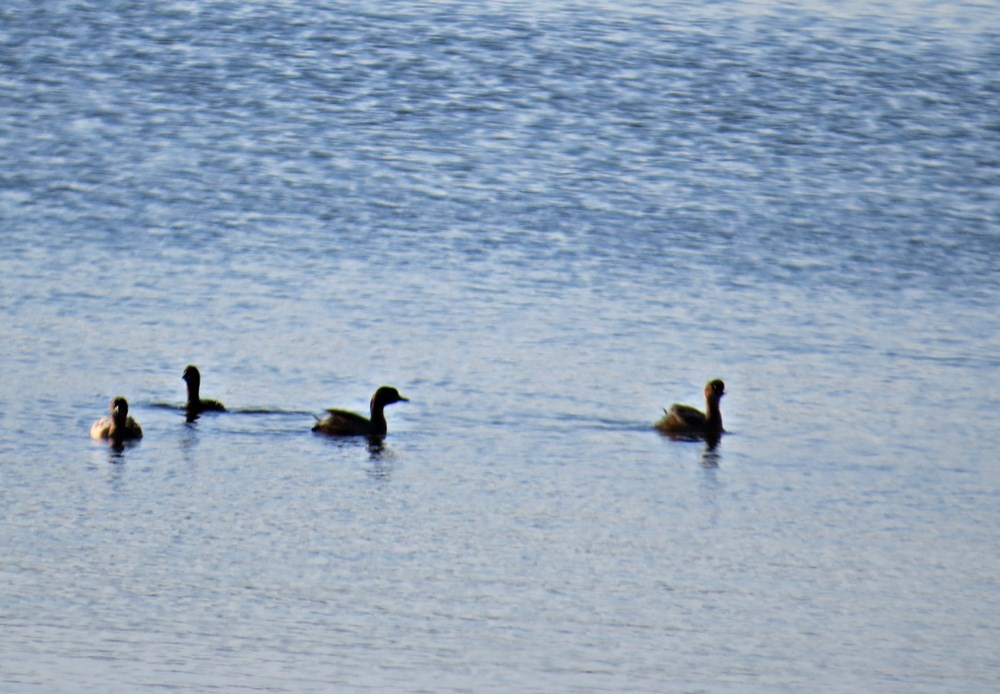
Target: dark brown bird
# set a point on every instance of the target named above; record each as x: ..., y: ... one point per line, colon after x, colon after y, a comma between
x: 686, y: 422
x: 195, y: 403
x: 118, y: 426
x: 343, y: 423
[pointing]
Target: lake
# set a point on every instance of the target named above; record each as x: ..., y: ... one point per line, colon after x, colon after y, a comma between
x: 543, y: 223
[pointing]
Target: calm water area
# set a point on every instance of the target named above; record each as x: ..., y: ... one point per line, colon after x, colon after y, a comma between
x: 543, y: 222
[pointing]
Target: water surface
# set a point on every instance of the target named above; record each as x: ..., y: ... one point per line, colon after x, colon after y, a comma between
x: 542, y: 222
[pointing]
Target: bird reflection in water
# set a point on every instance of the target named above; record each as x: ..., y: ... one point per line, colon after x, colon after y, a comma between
x: 710, y: 457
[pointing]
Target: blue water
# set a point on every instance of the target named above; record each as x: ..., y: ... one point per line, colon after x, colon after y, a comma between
x: 543, y: 223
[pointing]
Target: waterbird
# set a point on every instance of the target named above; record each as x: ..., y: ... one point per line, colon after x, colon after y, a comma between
x: 684, y: 421
x: 344, y: 423
x: 118, y: 426
x: 195, y: 403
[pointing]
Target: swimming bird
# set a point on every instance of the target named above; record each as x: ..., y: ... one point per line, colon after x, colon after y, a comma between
x: 195, y: 403
x: 119, y: 426
x: 684, y: 421
x: 343, y: 423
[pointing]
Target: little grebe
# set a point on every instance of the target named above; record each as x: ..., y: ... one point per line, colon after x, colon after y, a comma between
x: 343, y: 423
x: 195, y: 403
x: 117, y: 427
x: 684, y: 421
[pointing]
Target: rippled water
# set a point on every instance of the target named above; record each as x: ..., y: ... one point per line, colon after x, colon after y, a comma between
x: 542, y: 222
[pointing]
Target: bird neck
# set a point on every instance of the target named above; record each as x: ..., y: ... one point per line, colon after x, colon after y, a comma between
x: 714, y: 414
x: 193, y: 391
x: 378, y: 418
